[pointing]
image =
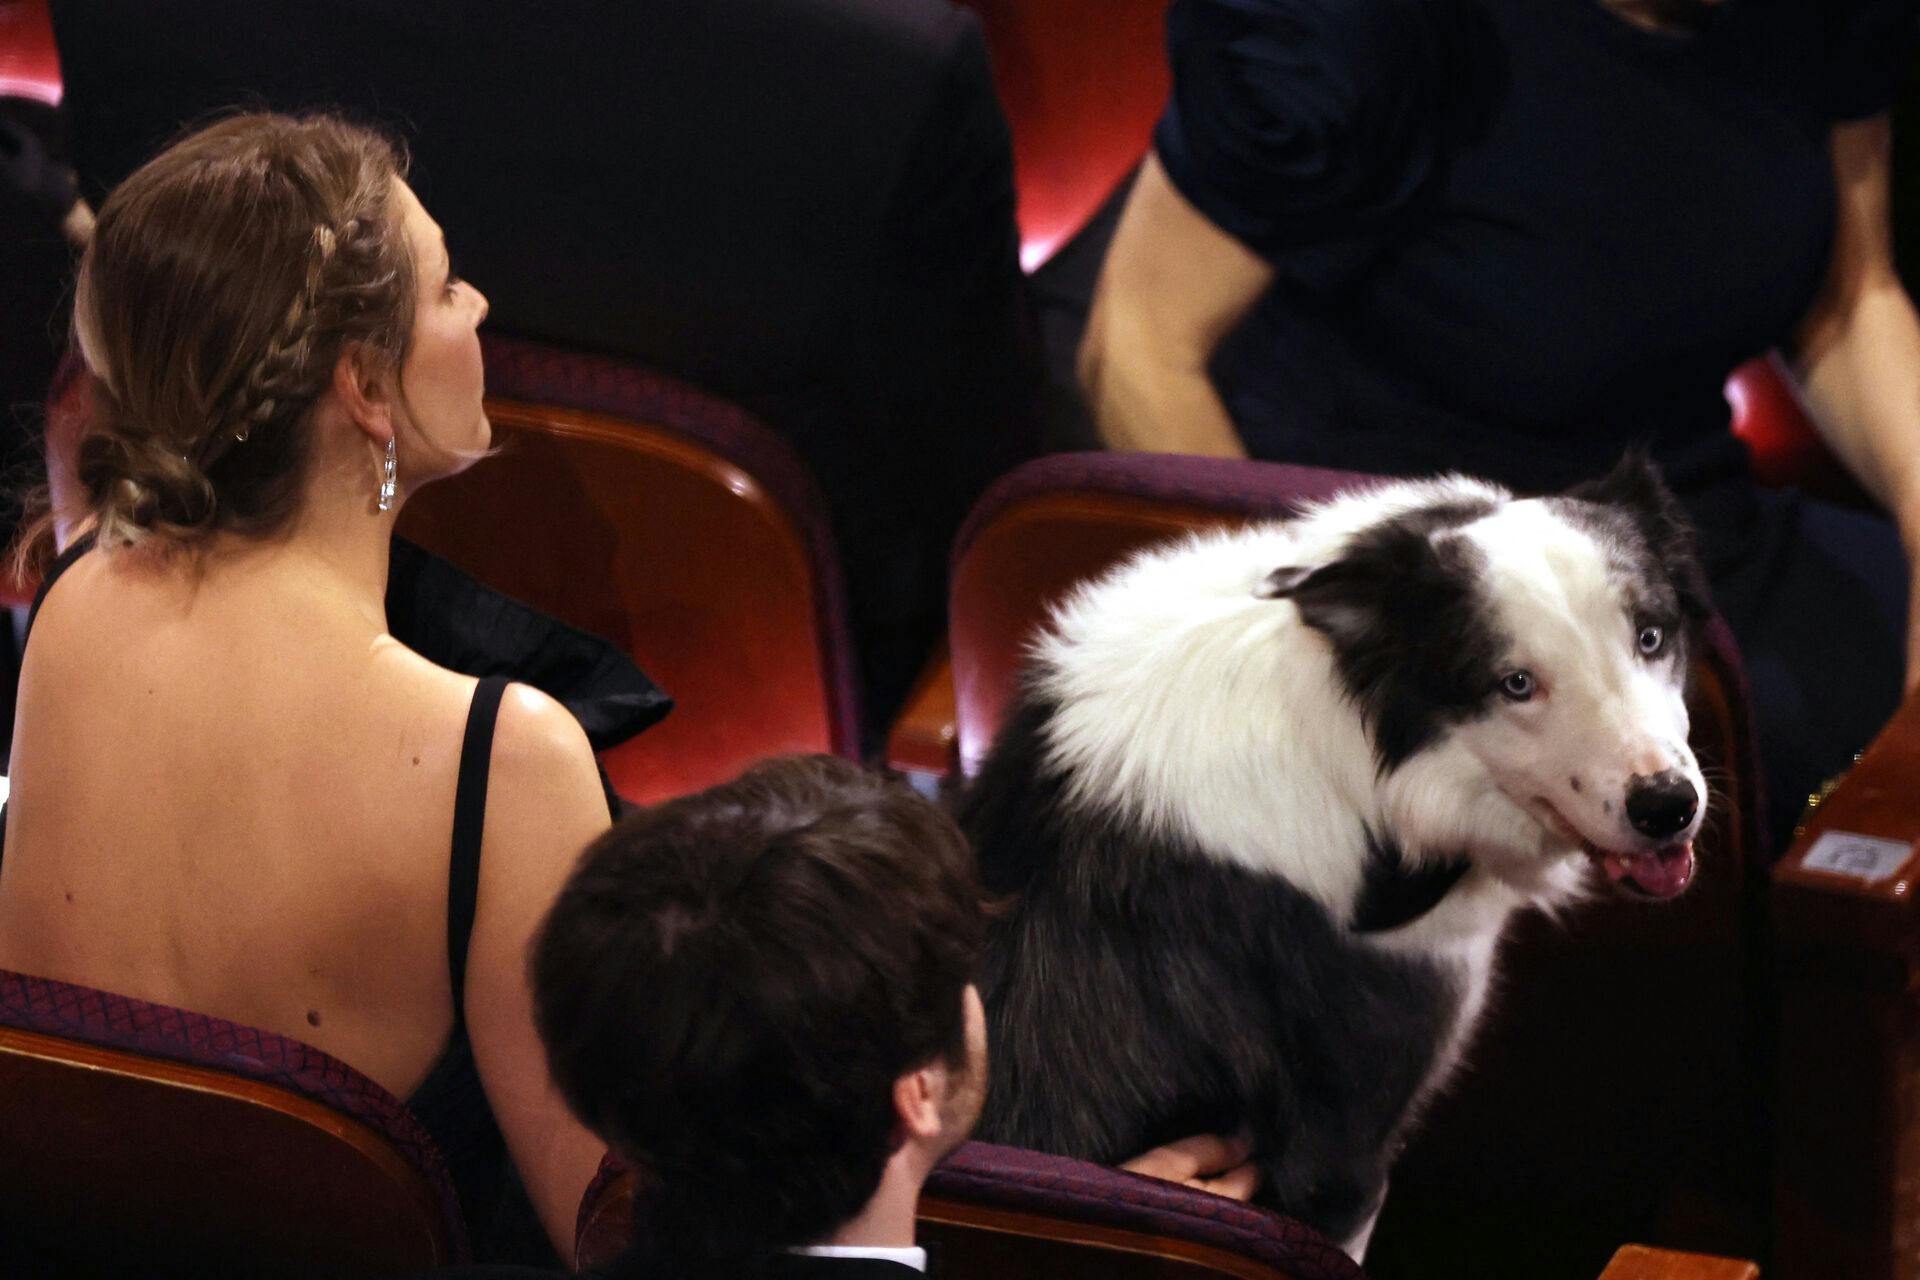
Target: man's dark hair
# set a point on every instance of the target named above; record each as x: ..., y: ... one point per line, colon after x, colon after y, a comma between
x: 730, y: 984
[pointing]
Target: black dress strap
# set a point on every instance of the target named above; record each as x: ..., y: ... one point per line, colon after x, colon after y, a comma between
x: 64, y: 562
x: 469, y: 815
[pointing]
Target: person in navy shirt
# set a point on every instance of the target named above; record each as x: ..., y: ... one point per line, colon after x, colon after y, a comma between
x: 1513, y: 237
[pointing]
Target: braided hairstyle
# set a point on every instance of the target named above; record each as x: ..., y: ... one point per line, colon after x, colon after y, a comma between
x: 223, y: 281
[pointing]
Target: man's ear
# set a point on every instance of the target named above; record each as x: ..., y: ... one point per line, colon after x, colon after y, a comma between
x: 365, y: 390
x: 918, y: 1100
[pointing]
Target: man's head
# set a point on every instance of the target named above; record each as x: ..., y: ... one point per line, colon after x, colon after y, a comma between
x: 761, y: 994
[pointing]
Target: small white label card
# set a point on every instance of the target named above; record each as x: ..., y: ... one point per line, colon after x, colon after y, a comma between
x: 1867, y: 858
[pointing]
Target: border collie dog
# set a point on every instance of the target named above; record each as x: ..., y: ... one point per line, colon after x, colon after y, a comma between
x: 1270, y: 796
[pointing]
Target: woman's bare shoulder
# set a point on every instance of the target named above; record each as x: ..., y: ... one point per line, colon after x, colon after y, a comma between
x: 539, y: 744
x: 533, y: 734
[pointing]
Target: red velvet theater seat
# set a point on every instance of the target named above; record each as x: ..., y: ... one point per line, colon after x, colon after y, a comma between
x: 1786, y: 447
x: 1082, y: 82
x: 131, y: 1129
x: 29, y: 66
x: 676, y: 527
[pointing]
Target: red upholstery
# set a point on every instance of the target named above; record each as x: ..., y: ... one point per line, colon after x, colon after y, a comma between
x: 675, y: 526
x: 1786, y: 448
x: 1082, y: 82
x: 29, y: 67
x: 146, y: 1123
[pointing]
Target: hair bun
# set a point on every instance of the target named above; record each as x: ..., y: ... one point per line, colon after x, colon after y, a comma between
x: 137, y: 485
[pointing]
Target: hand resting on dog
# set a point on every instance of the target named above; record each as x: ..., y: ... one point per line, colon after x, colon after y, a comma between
x: 1205, y: 1162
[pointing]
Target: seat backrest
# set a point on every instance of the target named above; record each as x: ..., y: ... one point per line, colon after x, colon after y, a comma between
x: 674, y: 526
x: 1082, y: 82
x: 1060, y: 520
x: 1770, y: 420
x: 1669, y: 1151
x: 131, y: 1128
x: 29, y: 66
x: 1020, y: 1215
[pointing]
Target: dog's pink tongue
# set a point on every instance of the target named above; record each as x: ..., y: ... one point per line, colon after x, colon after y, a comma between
x: 1658, y: 873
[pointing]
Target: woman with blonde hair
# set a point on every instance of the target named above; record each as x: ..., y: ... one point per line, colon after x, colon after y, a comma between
x: 232, y: 789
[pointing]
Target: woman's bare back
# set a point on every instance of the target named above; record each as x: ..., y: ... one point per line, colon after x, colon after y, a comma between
x: 233, y: 792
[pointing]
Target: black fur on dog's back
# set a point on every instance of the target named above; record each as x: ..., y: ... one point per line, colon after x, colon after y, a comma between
x: 1139, y: 991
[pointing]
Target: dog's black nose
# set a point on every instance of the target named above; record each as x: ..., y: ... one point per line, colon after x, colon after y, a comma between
x: 1662, y: 804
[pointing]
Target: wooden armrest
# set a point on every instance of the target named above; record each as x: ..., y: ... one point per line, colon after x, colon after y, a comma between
x: 1847, y: 937
x: 924, y: 741
x: 1638, y: 1262
x: 1836, y: 891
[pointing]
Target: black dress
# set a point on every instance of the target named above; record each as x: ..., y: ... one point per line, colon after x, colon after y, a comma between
x: 1513, y: 236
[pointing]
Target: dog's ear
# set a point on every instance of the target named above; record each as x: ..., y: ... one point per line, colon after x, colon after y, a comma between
x: 1280, y: 584
x: 1384, y: 607
x: 1342, y: 600
x: 1371, y: 593
x: 1634, y: 485
x: 1635, y: 488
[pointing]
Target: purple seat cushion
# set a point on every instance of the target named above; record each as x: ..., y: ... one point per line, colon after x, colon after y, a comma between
x: 1232, y: 486
x: 151, y: 1030
x: 529, y: 371
x: 981, y: 1173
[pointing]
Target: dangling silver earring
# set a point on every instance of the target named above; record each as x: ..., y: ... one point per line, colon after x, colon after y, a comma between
x: 386, y: 479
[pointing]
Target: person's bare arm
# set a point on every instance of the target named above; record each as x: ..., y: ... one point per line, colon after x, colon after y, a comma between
x: 1858, y: 360
x: 1172, y: 287
x: 544, y: 805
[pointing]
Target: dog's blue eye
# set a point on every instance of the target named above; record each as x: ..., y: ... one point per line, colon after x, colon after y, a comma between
x: 1517, y: 685
x: 1652, y: 640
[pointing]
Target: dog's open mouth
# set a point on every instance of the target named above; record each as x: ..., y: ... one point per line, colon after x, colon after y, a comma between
x: 1654, y: 873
